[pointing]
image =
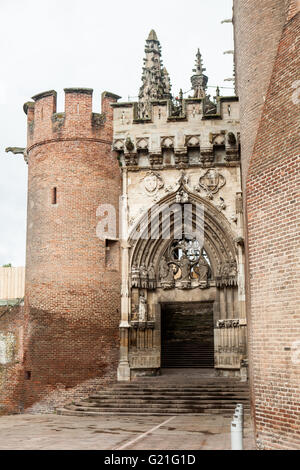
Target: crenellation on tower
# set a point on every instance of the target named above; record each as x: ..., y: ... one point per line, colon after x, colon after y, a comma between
x: 69, y: 286
x: 77, y: 121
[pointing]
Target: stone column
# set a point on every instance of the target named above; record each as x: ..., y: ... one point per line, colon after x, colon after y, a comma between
x: 124, y: 369
x: 241, y: 257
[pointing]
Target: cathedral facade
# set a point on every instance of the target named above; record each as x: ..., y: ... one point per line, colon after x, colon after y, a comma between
x: 182, y: 286
x: 162, y: 233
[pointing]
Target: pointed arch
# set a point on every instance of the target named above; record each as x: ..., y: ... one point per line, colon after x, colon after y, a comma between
x: 218, y: 237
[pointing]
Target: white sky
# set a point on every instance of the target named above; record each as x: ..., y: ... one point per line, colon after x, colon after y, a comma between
x: 54, y: 44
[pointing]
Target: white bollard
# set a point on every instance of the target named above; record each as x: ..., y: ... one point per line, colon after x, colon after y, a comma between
x: 239, y: 410
x: 236, y: 435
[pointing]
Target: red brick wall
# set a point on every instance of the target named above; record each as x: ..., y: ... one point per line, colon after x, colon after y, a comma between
x: 272, y: 206
x: 72, y: 298
x: 12, y: 322
x: 257, y: 30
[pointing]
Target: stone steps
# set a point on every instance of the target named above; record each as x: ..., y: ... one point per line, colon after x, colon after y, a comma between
x: 169, y: 404
x: 170, y: 397
x: 161, y: 397
x: 66, y: 412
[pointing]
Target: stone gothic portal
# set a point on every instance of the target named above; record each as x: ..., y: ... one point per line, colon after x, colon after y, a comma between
x: 187, y: 335
x: 182, y: 304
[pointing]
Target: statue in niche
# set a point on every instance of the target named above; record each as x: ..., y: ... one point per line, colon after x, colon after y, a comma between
x: 142, y: 309
x: 202, y: 269
x: 144, y: 276
x: 185, y: 266
x: 151, y: 277
x: 166, y: 274
x: 129, y: 144
x: 225, y: 269
x: 232, y: 268
x: 135, y: 313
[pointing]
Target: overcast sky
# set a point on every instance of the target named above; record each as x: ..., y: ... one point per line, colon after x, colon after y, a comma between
x: 54, y: 44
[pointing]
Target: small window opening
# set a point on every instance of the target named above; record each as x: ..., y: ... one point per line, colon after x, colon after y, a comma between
x: 27, y: 374
x: 229, y: 110
x: 54, y: 195
x: 112, y: 255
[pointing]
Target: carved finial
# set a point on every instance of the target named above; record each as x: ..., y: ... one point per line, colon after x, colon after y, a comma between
x: 152, y: 36
x: 199, y: 80
x: 155, y: 79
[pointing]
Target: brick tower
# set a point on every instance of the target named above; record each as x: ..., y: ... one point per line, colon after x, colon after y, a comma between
x: 72, y: 277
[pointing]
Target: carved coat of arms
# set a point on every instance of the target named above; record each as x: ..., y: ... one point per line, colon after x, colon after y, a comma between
x: 211, y: 182
x: 153, y: 182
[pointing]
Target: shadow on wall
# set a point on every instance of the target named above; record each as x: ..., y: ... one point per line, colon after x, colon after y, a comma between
x: 59, y: 361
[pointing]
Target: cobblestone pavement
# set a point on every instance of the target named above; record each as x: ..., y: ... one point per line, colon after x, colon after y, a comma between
x: 43, y: 432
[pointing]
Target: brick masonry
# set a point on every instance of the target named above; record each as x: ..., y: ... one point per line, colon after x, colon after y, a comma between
x: 72, y: 299
x: 269, y: 43
x: 12, y: 332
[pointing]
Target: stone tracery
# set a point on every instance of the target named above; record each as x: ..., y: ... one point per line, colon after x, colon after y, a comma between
x: 218, y: 244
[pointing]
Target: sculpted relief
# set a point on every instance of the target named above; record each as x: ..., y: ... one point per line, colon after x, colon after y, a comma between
x: 211, y: 182
x: 184, y: 266
x: 153, y: 182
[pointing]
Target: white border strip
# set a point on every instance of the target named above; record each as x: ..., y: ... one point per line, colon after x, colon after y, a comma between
x: 144, y: 434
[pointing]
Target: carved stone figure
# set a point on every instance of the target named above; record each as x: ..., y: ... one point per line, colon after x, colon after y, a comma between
x: 227, y: 273
x: 221, y: 206
x: 129, y: 144
x: 166, y: 274
x: 143, y: 276
x: 185, y: 268
x: 232, y: 268
x: 202, y: 269
x: 135, y: 313
x: 183, y: 179
x: 182, y: 197
x: 231, y: 138
x: 135, y: 276
x: 151, y: 277
x: 142, y: 309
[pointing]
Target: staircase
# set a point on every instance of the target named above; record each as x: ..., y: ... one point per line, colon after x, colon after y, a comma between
x: 187, y: 355
x: 165, y: 396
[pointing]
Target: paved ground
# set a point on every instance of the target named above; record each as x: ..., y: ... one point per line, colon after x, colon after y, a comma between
x: 207, y: 432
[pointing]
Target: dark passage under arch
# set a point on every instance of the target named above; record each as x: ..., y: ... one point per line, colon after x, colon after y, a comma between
x: 187, y: 335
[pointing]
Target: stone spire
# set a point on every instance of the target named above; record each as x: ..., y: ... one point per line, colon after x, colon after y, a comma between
x: 199, y: 80
x: 155, y: 79
x: 166, y: 83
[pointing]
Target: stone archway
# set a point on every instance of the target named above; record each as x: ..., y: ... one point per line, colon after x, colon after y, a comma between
x: 158, y: 276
